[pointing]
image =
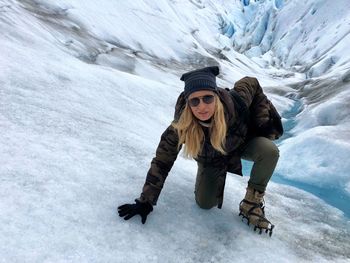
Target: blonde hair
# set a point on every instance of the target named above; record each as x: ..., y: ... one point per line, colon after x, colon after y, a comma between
x: 191, y: 134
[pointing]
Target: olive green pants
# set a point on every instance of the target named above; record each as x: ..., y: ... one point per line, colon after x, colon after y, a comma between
x: 262, y: 151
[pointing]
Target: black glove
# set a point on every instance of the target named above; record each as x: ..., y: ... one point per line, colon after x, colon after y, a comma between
x: 129, y: 210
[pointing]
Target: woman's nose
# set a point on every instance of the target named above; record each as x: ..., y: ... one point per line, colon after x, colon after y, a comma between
x: 201, y: 105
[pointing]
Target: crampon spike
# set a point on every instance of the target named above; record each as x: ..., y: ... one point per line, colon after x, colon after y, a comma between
x: 272, y: 226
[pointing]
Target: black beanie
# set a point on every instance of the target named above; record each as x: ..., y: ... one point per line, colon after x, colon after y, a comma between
x: 200, y: 79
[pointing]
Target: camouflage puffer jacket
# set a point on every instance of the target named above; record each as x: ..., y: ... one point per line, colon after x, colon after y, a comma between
x: 263, y: 120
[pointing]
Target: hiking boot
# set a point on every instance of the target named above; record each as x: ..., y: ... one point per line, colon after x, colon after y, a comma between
x: 252, y: 208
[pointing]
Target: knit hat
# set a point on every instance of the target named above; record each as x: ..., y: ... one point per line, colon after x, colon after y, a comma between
x: 200, y: 79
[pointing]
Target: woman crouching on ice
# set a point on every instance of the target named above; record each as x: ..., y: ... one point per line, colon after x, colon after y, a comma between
x: 217, y: 127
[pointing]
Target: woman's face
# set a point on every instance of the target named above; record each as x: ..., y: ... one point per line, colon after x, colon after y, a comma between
x: 206, y: 107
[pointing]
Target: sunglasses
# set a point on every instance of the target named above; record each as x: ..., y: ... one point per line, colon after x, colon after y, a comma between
x: 207, y: 99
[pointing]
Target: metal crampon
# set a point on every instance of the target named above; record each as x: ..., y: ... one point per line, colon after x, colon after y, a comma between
x: 252, y: 209
x: 259, y: 227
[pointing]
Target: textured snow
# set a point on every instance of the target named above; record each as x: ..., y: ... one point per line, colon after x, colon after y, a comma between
x: 311, y: 39
x: 87, y: 88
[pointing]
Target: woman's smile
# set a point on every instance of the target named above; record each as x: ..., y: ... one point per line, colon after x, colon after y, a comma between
x: 203, y: 113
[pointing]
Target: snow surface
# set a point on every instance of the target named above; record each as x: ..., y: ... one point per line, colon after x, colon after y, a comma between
x: 86, y: 89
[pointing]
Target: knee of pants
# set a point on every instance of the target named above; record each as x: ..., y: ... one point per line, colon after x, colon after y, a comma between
x: 272, y: 151
x: 206, y: 206
x: 269, y: 150
x: 205, y: 203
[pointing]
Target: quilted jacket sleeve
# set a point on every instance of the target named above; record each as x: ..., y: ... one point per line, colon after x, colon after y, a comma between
x: 264, y: 118
x: 161, y: 164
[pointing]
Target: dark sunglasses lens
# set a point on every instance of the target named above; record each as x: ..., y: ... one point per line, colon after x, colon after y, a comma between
x: 194, y: 102
x: 208, y: 99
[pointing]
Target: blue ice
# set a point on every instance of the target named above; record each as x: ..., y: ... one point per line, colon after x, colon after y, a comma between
x: 331, y: 194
